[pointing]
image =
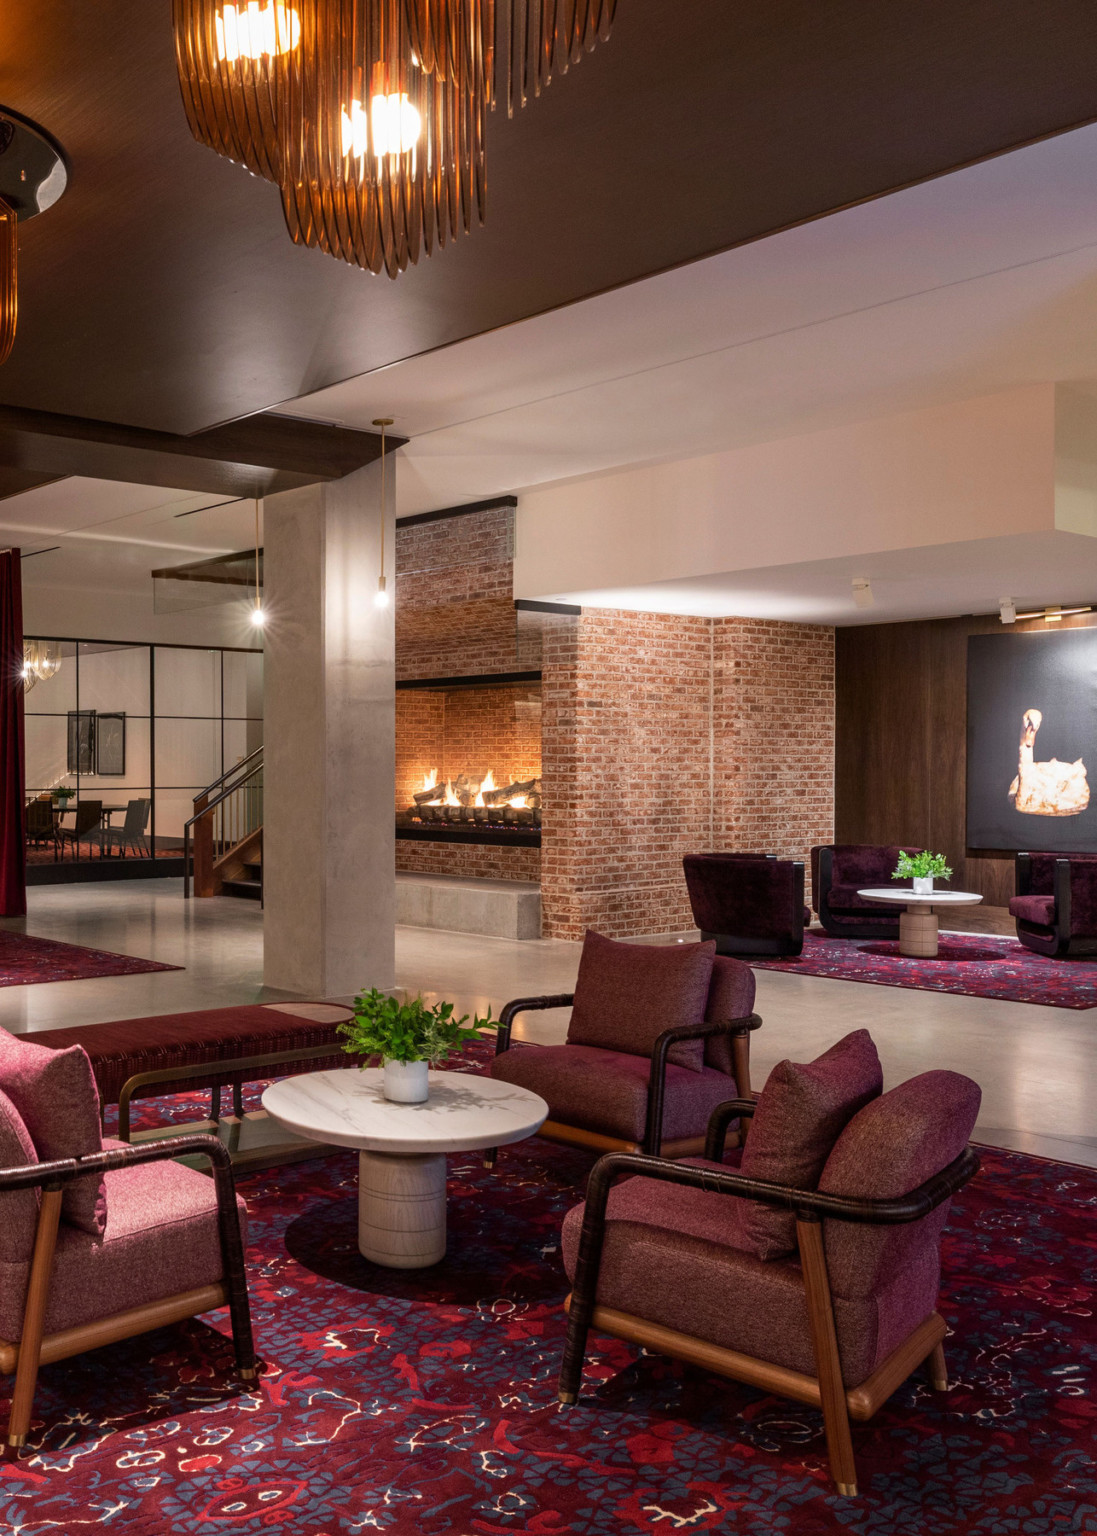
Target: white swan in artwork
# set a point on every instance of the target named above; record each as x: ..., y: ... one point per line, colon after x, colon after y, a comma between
x: 1046, y: 789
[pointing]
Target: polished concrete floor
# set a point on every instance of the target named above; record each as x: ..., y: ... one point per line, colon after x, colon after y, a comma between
x: 1036, y: 1065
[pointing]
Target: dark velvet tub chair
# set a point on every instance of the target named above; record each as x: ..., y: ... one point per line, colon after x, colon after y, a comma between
x: 748, y: 904
x: 659, y: 1035
x: 811, y: 1272
x: 1055, y: 907
x: 838, y: 872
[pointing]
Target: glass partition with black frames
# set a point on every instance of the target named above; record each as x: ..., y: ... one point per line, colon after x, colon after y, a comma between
x: 117, y: 722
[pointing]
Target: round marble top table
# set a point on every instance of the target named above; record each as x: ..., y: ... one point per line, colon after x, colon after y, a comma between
x: 402, y: 1147
x: 918, y: 922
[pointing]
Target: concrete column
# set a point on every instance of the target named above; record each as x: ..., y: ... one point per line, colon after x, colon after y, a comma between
x: 329, y: 791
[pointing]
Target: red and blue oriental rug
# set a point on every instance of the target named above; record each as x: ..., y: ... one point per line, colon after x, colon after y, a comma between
x: 424, y: 1403
x: 25, y: 960
x: 973, y: 964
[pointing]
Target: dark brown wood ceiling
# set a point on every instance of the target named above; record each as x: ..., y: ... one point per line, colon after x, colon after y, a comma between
x: 163, y: 292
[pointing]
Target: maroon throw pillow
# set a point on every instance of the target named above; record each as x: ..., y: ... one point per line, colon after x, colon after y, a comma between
x: 801, y: 1112
x: 627, y: 994
x: 56, y: 1097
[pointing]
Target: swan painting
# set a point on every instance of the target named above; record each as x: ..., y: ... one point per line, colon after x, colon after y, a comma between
x: 1046, y: 789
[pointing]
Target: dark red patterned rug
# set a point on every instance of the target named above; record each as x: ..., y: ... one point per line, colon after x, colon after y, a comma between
x: 25, y: 960
x: 424, y: 1404
x: 976, y: 965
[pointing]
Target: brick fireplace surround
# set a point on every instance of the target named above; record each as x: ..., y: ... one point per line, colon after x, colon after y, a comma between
x: 661, y: 735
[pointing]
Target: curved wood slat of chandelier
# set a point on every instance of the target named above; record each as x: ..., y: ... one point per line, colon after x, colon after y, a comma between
x: 9, y: 278
x: 290, y: 113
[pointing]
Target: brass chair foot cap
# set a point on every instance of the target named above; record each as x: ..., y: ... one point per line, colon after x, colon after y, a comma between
x: 569, y: 1399
x: 249, y: 1373
x: 941, y: 1384
x: 847, y: 1490
x: 16, y: 1442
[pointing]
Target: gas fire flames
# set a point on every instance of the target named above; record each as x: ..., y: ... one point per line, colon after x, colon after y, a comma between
x: 483, y: 802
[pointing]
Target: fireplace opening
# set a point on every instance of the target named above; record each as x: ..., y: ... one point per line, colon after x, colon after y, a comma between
x: 468, y: 760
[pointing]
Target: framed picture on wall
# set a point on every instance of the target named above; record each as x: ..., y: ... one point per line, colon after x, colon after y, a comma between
x: 110, y: 744
x: 1032, y: 741
x: 81, y: 741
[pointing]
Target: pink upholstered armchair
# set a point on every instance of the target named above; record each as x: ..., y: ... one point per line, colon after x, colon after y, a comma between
x: 122, y: 1239
x: 659, y: 1035
x: 821, y: 1287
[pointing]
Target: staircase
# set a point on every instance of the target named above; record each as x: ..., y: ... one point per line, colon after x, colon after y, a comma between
x: 249, y: 882
x: 226, y: 835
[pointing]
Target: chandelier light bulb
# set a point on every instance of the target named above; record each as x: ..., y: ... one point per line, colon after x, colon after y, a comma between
x: 256, y: 31
x: 391, y: 127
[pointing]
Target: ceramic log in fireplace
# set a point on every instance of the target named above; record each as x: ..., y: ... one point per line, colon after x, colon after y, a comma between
x: 468, y: 760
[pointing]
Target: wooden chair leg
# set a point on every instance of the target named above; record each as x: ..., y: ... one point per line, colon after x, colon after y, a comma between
x: 238, y: 1100
x: 828, y: 1364
x: 936, y: 1369
x: 34, y: 1318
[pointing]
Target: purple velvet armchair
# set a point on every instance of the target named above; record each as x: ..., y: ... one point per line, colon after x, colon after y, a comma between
x: 1055, y: 907
x: 659, y: 1035
x: 838, y: 1312
x: 838, y: 871
x: 748, y: 904
x: 120, y: 1240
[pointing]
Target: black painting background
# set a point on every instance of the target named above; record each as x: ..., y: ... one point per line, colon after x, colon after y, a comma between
x: 1055, y: 673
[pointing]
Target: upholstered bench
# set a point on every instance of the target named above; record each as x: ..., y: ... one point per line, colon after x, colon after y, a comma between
x: 214, y: 1048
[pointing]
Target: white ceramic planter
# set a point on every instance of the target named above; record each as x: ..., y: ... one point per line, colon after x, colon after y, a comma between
x: 407, y: 1082
x: 923, y: 885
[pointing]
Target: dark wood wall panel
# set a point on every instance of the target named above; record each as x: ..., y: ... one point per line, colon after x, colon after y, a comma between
x: 900, y: 760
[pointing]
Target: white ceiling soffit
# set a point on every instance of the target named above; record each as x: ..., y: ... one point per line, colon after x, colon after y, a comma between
x: 78, y: 532
x: 936, y: 581
x: 967, y: 285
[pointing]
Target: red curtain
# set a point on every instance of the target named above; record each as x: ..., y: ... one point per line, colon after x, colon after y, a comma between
x: 13, y: 842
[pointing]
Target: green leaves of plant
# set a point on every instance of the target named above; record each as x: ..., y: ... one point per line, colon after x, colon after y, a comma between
x: 918, y: 866
x: 383, y: 1026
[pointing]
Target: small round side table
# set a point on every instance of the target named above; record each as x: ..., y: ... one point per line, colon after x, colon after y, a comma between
x: 918, y: 932
x: 402, y: 1147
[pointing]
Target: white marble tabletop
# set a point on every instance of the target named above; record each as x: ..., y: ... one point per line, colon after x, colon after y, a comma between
x: 932, y: 899
x: 349, y: 1108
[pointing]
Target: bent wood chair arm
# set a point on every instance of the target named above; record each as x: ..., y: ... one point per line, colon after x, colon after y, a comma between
x: 719, y: 1122
x: 739, y: 1030
x: 808, y: 1206
x: 519, y: 1005
x: 55, y: 1175
x: 256, y: 1064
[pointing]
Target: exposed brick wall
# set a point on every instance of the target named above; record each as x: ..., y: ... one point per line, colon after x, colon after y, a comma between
x: 660, y: 735
x: 773, y: 735
x: 455, y: 596
x: 472, y: 861
x: 626, y: 754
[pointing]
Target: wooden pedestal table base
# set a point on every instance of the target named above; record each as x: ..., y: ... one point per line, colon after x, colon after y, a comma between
x: 918, y: 923
x: 402, y: 1147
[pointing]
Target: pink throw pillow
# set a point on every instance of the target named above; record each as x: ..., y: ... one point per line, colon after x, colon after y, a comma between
x: 801, y: 1112
x: 56, y: 1097
x: 627, y: 994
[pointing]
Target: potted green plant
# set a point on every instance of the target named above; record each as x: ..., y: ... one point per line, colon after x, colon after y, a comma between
x: 922, y: 868
x: 63, y: 794
x: 410, y: 1038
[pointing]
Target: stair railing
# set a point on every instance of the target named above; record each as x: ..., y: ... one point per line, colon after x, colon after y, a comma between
x: 223, y: 822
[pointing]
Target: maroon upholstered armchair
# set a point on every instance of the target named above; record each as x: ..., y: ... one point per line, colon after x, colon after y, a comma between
x: 659, y: 1035
x: 838, y: 872
x: 1055, y: 907
x: 748, y: 904
x: 839, y: 1319
x: 121, y: 1240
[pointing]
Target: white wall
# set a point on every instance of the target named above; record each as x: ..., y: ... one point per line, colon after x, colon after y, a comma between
x: 977, y: 469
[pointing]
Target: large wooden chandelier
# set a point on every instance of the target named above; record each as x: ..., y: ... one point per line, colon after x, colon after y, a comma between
x: 370, y: 115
